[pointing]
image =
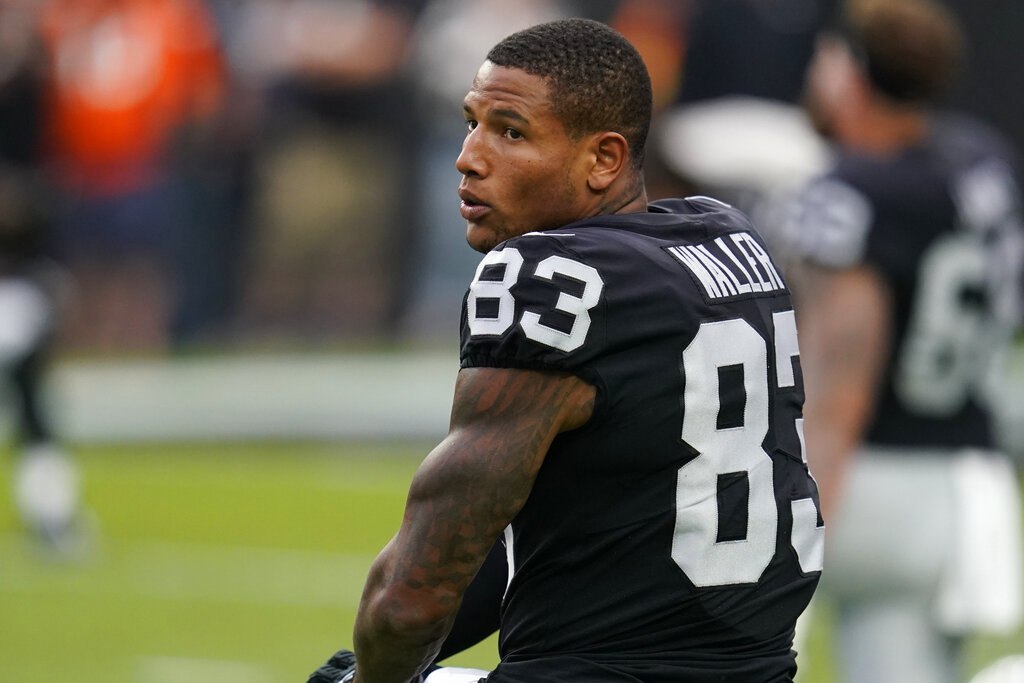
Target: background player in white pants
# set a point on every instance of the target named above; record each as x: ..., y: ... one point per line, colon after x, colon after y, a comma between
x: 911, y: 248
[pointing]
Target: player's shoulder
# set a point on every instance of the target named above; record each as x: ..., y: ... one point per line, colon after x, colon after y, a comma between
x: 704, y: 216
x: 637, y: 253
x: 828, y: 221
x: 695, y: 218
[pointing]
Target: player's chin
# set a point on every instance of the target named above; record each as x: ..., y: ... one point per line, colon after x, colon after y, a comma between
x: 482, y: 238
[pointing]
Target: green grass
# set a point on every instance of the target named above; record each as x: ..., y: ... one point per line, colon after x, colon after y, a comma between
x: 214, y: 563
x: 226, y: 563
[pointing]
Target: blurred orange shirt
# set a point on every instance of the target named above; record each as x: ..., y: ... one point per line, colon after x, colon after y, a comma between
x: 124, y: 76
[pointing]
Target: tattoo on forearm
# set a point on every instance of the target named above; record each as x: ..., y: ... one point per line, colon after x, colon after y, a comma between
x: 474, y: 483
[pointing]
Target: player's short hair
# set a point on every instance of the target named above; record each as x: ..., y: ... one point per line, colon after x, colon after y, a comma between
x: 596, y: 79
x: 910, y: 49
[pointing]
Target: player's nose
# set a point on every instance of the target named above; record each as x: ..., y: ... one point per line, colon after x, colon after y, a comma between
x: 471, y: 160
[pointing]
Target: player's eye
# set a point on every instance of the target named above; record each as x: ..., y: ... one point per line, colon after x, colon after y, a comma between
x: 470, y: 124
x: 513, y: 134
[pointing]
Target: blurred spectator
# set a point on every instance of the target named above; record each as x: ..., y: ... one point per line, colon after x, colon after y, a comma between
x: 658, y: 29
x: 758, y: 48
x: 127, y: 80
x: 735, y: 130
x: 46, y: 488
x: 911, y: 250
x: 334, y: 163
x: 20, y: 83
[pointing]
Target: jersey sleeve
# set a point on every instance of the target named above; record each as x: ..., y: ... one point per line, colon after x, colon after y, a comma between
x: 829, y: 224
x: 534, y: 303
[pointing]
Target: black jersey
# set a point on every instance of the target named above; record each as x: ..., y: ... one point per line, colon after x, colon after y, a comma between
x: 941, y: 225
x: 675, y: 536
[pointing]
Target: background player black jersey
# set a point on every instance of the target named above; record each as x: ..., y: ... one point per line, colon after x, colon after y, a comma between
x: 675, y: 537
x: 941, y: 224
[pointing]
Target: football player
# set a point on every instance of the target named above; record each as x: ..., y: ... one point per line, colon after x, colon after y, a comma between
x: 627, y: 418
x: 911, y: 248
x: 46, y: 481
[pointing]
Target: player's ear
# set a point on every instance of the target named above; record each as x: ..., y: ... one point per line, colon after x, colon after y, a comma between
x: 611, y: 157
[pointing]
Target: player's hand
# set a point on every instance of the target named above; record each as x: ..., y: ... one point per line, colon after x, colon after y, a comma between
x: 340, y: 667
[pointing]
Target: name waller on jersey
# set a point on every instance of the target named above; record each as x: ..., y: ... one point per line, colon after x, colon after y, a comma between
x: 730, y: 266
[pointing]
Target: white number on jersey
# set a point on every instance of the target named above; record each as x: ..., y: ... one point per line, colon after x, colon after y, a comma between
x: 530, y: 321
x: 943, y: 355
x: 967, y: 298
x: 735, y: 451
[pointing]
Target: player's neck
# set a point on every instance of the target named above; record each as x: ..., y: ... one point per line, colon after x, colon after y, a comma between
x: 626, y: 195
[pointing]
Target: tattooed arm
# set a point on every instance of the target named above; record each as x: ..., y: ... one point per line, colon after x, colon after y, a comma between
x: 468, y: 489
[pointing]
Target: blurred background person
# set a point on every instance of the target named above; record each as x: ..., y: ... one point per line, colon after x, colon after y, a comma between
x: 733, y: 128
x: 33, y: 290
x: 908, y: 291
x: 128, y: 81
x: 45, y: 482
x: 333, y: 165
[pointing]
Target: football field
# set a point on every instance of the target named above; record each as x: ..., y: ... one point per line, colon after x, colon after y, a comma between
x: 226, y: 563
